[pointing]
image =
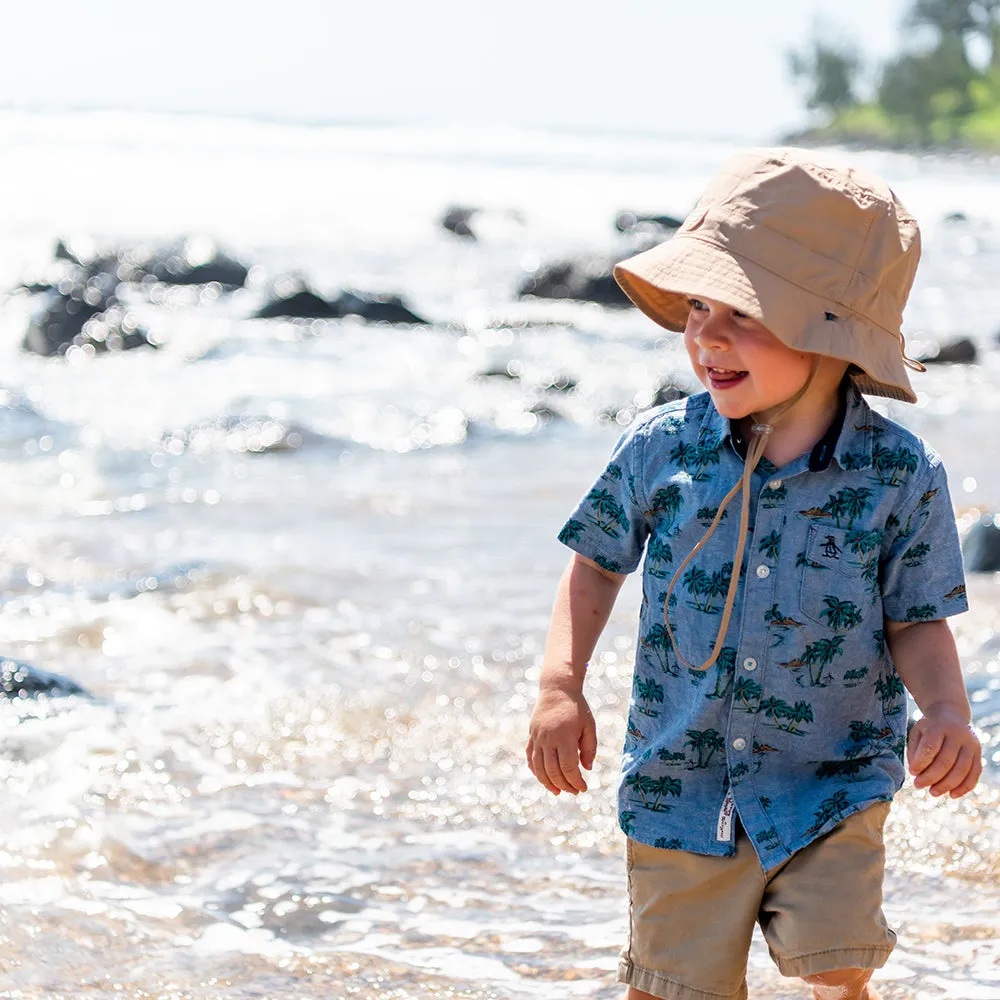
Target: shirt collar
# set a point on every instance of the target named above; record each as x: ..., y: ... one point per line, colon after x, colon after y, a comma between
x: 848, y: 438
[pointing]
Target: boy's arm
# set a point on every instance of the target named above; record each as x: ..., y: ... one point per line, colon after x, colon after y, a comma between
x: 562, y: 733
x: 943, y: 751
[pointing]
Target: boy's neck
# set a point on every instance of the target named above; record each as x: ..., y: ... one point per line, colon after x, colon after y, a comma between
x: 802, y: 426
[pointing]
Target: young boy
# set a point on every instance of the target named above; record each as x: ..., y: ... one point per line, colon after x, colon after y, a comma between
x: 767, y: 724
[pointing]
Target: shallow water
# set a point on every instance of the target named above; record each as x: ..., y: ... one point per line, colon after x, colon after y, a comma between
x: 301, y: 771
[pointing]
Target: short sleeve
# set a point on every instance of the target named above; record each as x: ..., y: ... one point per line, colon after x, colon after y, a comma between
x: 921, y: 572
x: 608, y: 525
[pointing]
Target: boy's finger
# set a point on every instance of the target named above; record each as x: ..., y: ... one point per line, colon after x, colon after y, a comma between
x: 971, y: 779
x: 571, y: 772
x: 538, y: 770
x: 554, y: 772
x: 955, y: 775
x: 588, y: 746
x: 938, y: 766
x: 922, y: 749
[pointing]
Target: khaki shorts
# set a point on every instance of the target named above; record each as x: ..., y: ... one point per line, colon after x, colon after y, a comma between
x: 691, y: 916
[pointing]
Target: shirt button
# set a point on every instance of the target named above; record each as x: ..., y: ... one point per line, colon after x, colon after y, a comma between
x: 774, y: 484
x: 763, y: 572
x: 750, y: 663
x: 739, y: 743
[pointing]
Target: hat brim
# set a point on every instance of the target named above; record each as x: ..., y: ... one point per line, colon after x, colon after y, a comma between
x: 660, y: 281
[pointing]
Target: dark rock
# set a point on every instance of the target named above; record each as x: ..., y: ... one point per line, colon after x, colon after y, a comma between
x: 667, y: 392
x: 961, y: 351
x: 21, y: 680
x: 588, y: 280
x: 377, y: 308
x: 507, y: 372
x: 303, y: 304
x: 544, y: 412
x: 627, y: 221
x: 246, y: 433
x: 981, y: 547
x: 561, y: 383
x: 196, y: 261
x: 456, y: 220
x: 84, y: 314
x: 292, y: 298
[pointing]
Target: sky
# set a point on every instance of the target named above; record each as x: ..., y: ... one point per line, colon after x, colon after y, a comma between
x: 682, y: 67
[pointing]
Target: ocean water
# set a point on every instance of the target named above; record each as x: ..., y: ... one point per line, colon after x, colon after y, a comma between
x: 300, y: 771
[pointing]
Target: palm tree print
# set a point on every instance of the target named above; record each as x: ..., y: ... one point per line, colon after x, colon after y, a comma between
x: 651, y: 790
x: 848, y: 769
x: 657, y: 640
x: 921, y: 613
x: 854, y: 461
x: 613, y: 473
x: 668, y: 843
x: 671, y: 756
x: 848, y: 504
x: 706, y: 515
x: 878, y: 638
x: 698, y: 583
x: 818, y: 654
x: 852, y: 678
x: 768, y: 837
x: 891, y: 693
x: 890, y: 465
x: 831, y: 808
x: 840, y: 615
x: 609, y: 515
x: 694, y: 459
x: 915, y: 554
x: 626, y: 820
x: 668, y: 501
x: 658, y: 556
x: 648, y: 691
x: 704, y: 742
x: 770, y: 545
x: 608, y: 564
x: 776, y: 709
x: 746, y: 693
x: 725, y: 669
x: 740, y: 771
x: 572, y: 531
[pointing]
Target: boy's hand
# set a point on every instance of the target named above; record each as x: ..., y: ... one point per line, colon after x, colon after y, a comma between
x: 562, y: 735
x: 944, y: 753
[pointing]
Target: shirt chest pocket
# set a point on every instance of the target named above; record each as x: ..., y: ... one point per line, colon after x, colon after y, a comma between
x: 836, y: 577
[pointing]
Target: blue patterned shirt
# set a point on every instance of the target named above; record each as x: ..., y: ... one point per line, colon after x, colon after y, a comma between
x: 802, y: 719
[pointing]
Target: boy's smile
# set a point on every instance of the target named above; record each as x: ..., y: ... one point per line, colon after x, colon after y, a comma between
x: 744, y: 366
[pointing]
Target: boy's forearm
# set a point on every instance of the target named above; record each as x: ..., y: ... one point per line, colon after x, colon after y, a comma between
x: 928, y: 665
x: 583, y: 604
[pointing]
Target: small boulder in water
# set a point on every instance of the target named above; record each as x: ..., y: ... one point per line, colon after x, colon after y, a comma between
x: 21, y: 680
x: 962, y: 351
x: 587, y: 280
x: 981, y: 547
x: 456, y: 220
x: 628, y: 222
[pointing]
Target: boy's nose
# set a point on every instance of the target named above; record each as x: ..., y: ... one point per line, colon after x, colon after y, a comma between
x: 713, y: 332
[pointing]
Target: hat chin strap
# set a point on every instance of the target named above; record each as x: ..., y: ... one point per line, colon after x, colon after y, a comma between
x: 763, y: 426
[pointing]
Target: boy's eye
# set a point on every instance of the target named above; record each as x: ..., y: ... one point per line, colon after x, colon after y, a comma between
x: 696, y: 304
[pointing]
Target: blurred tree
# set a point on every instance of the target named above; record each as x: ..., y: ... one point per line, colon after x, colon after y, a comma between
x: 930, y: 88
x: 962, y: 19
x: 831, y: 72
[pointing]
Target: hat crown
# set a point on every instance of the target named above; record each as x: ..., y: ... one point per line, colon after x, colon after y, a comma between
x: 836, y: 232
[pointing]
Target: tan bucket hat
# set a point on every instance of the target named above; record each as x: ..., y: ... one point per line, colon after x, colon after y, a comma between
x: 823, y: 256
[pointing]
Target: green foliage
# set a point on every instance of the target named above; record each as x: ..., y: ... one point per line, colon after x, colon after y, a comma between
x: 831, y: 72
x: 929, y: 93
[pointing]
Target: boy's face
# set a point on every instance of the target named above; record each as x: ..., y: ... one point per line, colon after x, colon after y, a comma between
x: 742, y: 364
